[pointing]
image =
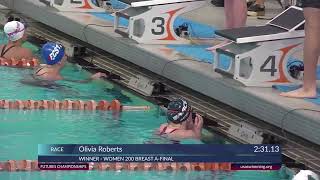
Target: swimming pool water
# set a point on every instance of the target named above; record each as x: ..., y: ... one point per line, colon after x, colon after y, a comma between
x: 36, y: 127
x: 21, y: 131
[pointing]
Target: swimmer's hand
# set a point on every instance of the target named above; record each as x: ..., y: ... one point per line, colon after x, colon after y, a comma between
x: 198, y: 124
x: 98, y: 76
x: 93, y: 77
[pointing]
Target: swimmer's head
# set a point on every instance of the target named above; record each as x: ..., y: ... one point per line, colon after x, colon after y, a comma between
x: 14, y: 30
x: 178, y: 111
x: 52, y: 53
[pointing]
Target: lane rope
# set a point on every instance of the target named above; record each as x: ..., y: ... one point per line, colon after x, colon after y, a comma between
x: 19, y: 63
x: 89, y: 105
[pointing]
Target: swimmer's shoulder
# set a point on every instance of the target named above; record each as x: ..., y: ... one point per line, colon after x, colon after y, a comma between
x: 26, y: 53
x: 1, y: 47
x: 162, y: 126
x: 41, y: 69
x: 44, y: 73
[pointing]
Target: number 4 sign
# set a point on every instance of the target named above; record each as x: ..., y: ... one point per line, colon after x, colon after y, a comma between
x: 260, y: 64
x: 151, y: 22
x: 272, y: 61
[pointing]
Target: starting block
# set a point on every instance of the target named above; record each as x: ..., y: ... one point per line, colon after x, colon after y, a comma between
x: 260, y: 54
x: 74, y: 5
x: 151, y: 22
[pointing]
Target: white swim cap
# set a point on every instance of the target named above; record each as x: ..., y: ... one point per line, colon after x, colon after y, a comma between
x: 14, y: 30
x: 304, y: 175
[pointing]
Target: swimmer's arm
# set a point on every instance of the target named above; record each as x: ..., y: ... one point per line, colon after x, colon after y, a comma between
x: 93, y: 77
x: 160, y: 129
x: 198, y: 124
x: 78, y: 81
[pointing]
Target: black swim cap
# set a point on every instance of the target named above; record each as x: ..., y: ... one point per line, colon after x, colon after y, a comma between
x: 178, y: 111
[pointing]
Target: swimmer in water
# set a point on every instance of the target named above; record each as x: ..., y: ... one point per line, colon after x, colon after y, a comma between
x: 55, y: 58
x: 182, y: 122
x: 15, y: 32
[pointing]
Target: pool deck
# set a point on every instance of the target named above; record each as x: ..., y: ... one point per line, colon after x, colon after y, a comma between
x: 263, y: 103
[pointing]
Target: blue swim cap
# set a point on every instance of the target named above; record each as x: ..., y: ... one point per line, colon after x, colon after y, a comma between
x: 52, y: 53
x: 178, y: 111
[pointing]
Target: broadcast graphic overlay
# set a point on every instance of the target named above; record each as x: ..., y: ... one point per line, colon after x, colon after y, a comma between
x: 135, y: 156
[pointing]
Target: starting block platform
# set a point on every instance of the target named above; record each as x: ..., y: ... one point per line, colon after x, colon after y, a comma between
x: 151, y: 22
x: 260, y: 54
x: 283, y: 26
x: 262, y: 103
x: 74, y: 5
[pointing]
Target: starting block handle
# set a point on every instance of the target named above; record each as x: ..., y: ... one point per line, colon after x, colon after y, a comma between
x: 226, y: 72
x: 47, y: 3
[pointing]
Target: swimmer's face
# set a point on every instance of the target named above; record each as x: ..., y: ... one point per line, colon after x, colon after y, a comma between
x: 24, y: 37
x: 62, y: 62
